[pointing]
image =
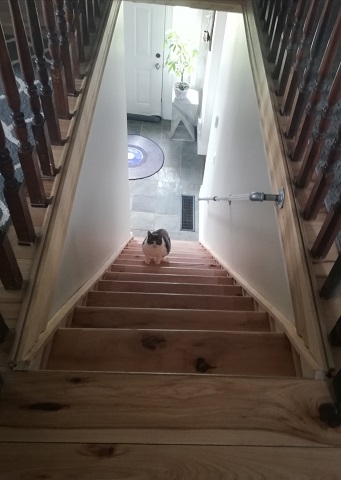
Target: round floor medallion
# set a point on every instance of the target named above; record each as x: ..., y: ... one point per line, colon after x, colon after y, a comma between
x: 145, y: 157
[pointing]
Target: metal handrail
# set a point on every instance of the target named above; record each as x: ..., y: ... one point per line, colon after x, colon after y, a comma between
x: 254, y: 197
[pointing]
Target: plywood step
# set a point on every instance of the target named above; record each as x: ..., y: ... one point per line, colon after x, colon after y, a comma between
x: 162, y: 351
x: 170, y: 263
x: 157, y: 318
x: 168, y: 278
x: 166, y: 409
x: 155, y: 287
x: 163, y: 300
x: 163, y: 268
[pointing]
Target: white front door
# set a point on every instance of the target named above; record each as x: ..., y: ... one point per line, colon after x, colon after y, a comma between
x: 144, y: 32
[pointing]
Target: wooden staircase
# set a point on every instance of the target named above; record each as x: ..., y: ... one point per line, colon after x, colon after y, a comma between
x: 185, y: 316
x: 166, y: 371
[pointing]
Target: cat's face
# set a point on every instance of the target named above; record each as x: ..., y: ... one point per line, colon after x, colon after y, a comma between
x: 154, y: 238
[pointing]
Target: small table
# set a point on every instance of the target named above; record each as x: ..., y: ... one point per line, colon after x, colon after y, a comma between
x: 185, y: 110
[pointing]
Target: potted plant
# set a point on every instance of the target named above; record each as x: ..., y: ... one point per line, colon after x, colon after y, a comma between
x: 179, y: 60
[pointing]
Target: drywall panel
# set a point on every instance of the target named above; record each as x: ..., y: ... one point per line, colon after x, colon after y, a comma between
x: 99, y: 220
x: 244, y: 234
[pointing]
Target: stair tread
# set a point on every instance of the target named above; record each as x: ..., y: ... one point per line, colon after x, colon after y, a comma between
x: 168, y: 263
x: 169, y: 300
x: 163, y: 351
x: 180, y: 409
x: 167, y: 277
x: 123, y: 317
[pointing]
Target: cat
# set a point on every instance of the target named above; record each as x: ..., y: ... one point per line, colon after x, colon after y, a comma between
x: 156, y: 245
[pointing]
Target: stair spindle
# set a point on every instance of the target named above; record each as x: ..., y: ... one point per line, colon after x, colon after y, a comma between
x: 272, y: 23
x: 263, y: 9
x: 45, y: 92
x: 268, y: 16
x: 302, y: 93
x: 10, y: 274
x: 330, y: 228
x: 290, y: 49
x: 15, y: 196
x: 97, y: 9
x: 57, y: 69
x: 324, y: 179
x: 277, y: 30
x: 315, y: 96
x: 26, y: 153
x: 84, y: 22
x: 284, y: 39
x: 64, y: 44
x: 79, y: 36
x: 332, y: 285
x: 314, y: 148
x: 71, y: 31
x: 296, y: 69
x: 39, y: 128
x: 91, y: 16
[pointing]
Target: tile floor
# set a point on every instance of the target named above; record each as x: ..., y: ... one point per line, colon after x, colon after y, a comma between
x: 155, y: 202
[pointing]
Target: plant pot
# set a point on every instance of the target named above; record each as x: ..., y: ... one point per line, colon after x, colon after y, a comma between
x: 181, y: 93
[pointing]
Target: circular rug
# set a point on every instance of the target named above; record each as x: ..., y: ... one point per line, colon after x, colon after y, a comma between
x: 145, y: 157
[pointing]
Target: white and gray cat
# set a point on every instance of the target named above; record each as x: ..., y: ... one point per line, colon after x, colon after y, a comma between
x: 156, y: 245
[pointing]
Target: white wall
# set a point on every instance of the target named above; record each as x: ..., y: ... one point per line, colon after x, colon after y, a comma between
x: 100, y: 215
x: 244, y: 234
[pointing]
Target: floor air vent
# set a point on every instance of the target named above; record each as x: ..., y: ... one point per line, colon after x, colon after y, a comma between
x: 187, y: 213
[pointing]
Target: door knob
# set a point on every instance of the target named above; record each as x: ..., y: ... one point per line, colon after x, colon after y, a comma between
x: 157, y: 66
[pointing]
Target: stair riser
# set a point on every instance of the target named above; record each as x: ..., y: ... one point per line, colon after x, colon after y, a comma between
x: 173, y: 255
x: 145, y: 300
x: 161, y: 351
x: 171, y: 270
x: 171, y: 259
x: 186, y: 288
x: 100, y: 317
x: 170, y: 263
x: 158, y: 277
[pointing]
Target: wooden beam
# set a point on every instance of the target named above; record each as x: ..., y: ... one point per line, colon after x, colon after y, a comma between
x: 234, y: 6
x: 59, y: 407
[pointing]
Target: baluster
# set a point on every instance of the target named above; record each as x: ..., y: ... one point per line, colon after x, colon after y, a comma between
x: 301, y: 96
x: 278, y: 27
x: 15, y: 196
x: 10, y: 274
x: 84, y: 22
x: 301, y: 54
x: 77, y: 19
x: 4, y: 330
x: 274, y: 11
x: 69, y: 13
x: 64, y: 45
x: 330, y: 228
x: 46, y: 97
x: 314, y: 148
x: 324, y: 180
x: 332, y: 285
x: 97, y: 9
x: 284, y: 39
x: 263, y: 8
x: 57, y: 70
x: 290, y: 49
x: 40, y: 133
x: 91, y: 16
x: 315, y: 97
x: 26, y: 153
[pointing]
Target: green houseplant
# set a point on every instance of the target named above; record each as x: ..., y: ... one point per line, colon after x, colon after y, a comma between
x: 179, y: 60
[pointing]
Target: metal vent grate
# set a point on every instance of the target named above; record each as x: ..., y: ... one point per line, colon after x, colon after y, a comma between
x: 187, y: 213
